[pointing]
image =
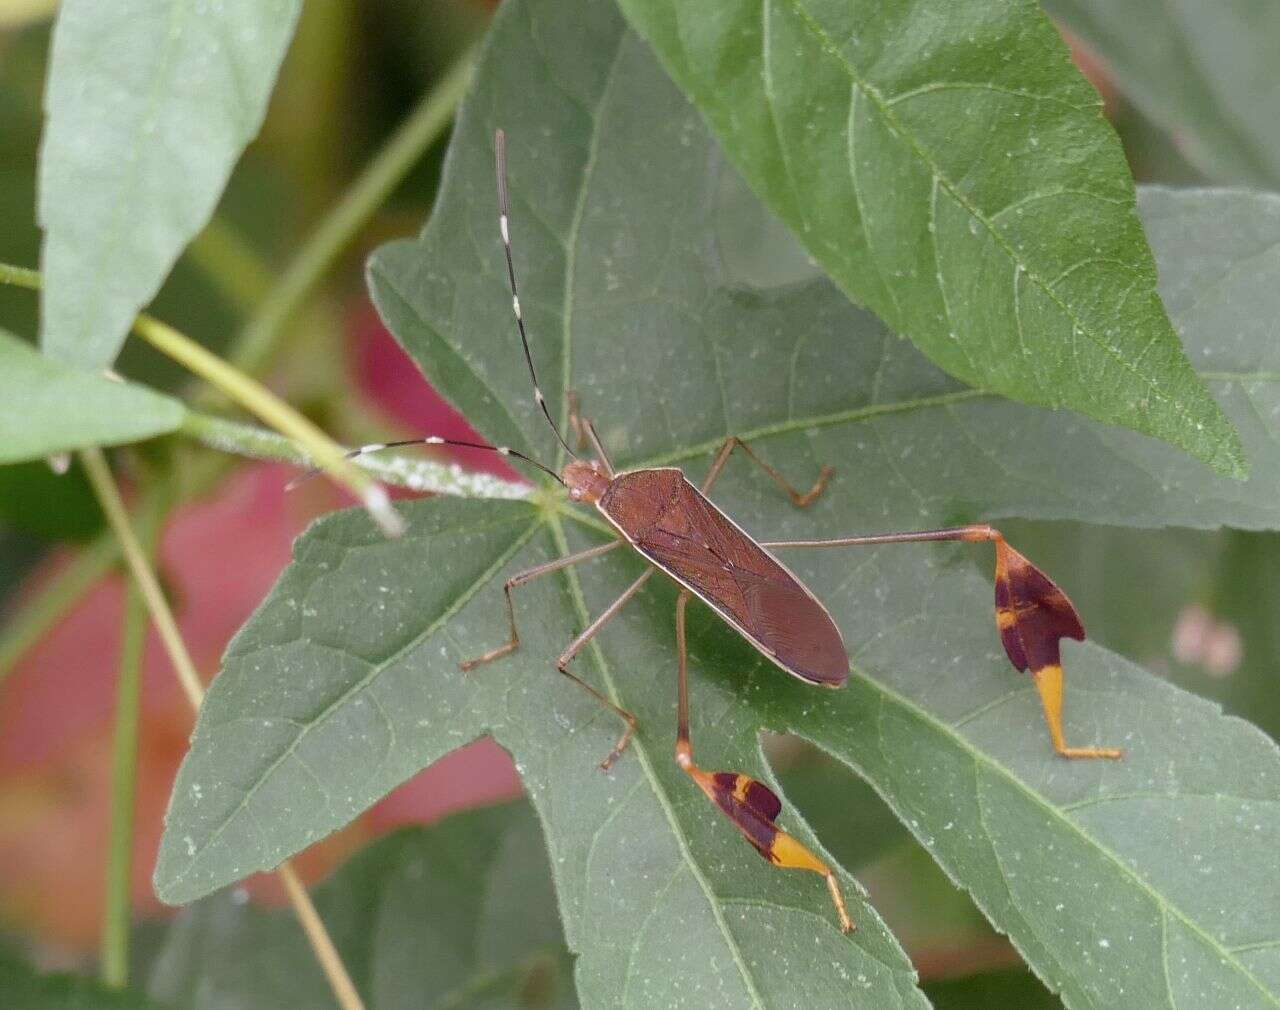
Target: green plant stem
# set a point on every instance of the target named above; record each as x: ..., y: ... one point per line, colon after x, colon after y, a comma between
x: 256, y: 398
x: 144, y: 577
x: 117, y: 905
x: 426, y: 475
x: 19, y: 277
x: 253, y: 347
x: 104, y: 487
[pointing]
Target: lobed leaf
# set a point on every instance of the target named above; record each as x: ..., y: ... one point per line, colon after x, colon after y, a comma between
x: 641, y: 868
x: 149, y: 104
x: 950, y: 169
x: 346, y: 681
x: 458, y: 916
x: 1205, y: 72
x: 47, y: 407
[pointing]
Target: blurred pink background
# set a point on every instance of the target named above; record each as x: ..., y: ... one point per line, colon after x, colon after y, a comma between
x: 218, y: 558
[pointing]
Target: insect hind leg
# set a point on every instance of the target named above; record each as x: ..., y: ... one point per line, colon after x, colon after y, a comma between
x: 749, y: 804
x: 801, y: 499
x: 1032, y: 615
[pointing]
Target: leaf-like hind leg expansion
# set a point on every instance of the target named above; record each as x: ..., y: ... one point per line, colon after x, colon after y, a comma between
x: 750, y: 805
x: 519, y: 579
x: 798, y: 498
x: 562, y: 664
x: 1032, y: 615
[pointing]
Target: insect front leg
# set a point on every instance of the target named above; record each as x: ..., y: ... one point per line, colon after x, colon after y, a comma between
x: 575, y: 421
x: 1032, y: 616
x: 799, y: 499
x: 750, y: 805
x: 585, y: 432
x: 520, y: 579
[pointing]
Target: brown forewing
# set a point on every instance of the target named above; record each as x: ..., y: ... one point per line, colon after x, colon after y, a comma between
x: 674, y: 525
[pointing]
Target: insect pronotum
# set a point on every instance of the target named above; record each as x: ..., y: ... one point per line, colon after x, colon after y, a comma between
x: 677, y: 529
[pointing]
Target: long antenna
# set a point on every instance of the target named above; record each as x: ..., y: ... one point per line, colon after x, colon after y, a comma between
x: 500, y: 154
x: 365, y: 450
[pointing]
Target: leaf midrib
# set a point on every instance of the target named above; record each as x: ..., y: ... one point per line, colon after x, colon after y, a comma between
x: 982, y: 759
x: 571, y: 245
x: 641, y: 753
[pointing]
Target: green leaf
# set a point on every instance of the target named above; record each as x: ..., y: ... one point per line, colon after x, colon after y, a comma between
x: 645, y: 869
x: 25, y: 989
x: 950, y: 451
x: 47, y: 407
x: 1205, y: 72
x: 950, y: 169
x: 459, y: 916
x: 345, y: 683
x: 149, y: 104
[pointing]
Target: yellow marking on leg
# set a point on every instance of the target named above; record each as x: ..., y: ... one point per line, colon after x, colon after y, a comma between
x: 786, y: 851
x: 1049, y: 685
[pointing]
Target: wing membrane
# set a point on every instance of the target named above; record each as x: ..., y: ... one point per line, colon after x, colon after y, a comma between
x: 694, y: 542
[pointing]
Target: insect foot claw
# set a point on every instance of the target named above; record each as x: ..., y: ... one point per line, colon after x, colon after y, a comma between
x: 467, y: 665
x: 1113, y: 753
x: 619, y: 747
x: 807, y: 499
x: 754, y: 807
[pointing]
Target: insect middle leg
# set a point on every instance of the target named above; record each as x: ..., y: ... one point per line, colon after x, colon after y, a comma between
x: 798, y: 498
x: 519, y: 579
x: 1032, y: 616
x: 562, y: 664
x: 576, y: 645
x: 750, y: 805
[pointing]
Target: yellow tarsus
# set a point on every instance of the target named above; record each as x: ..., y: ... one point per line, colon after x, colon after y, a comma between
x: 1049, y: 684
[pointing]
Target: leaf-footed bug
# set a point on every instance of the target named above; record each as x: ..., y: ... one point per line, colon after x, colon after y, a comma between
x: 678, y: 530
